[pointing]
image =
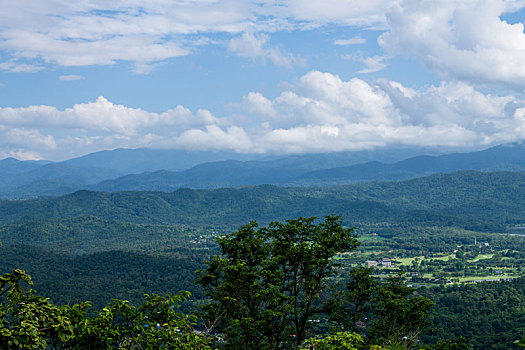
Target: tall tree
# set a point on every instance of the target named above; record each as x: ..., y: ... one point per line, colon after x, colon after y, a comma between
x: 459, y: 343
x: 349, y: 306
x: 400, y: 315
x: 264, y: 285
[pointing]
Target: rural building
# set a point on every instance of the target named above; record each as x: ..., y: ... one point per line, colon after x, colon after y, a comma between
x: 386, y: 262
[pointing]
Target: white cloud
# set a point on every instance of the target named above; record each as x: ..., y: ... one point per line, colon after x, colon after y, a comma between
x: 255, y: 46
x: 70, y: 77
x: 142, y: 49
x: 325, y: 113
x: 373, y: 64
x: 214, y: 138
x: 20, y: 155
x: 464, y: 40
x: 102, y: 33
x: 93, y: 126
x: 351, y: 41
x: 19, y: 67
x: 324, y: 98
x: 102, y: 115
x: 348, y: 12
x: 25, y: 137
x: 256, y: 103
x: 321, y: 112
x: 145, y: 32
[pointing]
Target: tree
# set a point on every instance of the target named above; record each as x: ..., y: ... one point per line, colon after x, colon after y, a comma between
x: 399, y: 316
x: 337, y: 341
x: 348, y: 307
x: 29, y: 321
x: 155, y: 324
x: 459, y: 343
x: 264, y: 286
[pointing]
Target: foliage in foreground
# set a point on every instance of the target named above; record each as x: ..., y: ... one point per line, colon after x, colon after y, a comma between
x: 281, y: 272
x: 390, y: 313
x: 264, y: 287
x: 337, y: 341
x: 29, y: 321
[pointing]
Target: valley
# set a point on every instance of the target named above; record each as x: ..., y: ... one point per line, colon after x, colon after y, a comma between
x: 444, y: 232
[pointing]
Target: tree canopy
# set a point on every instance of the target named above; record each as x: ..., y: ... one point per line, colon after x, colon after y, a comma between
x: 264, y: 286
x: 29, y: 321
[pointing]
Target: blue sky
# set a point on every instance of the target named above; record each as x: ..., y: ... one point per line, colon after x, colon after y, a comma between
x: 261, y: 76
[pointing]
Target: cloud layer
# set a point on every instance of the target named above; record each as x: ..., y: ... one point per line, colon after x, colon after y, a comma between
x: 320, y: 113
x: 145, y: 32
x: 467, y: 43
x: 463, y: 40
x: 458, y: 39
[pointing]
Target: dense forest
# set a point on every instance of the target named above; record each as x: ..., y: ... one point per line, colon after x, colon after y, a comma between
x: 489, y: 201
x: 154, y: 170
x: 490, y: 314
x: 440, y: 231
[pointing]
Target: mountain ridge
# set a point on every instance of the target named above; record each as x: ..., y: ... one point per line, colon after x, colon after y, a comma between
x: 492, y: 200
x: 236, y: 173
x: 27, y: 179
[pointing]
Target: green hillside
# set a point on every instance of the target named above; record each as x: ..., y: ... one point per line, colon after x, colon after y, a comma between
x: 491, y: 201
x: 97, y: 246
x: 154, y: 170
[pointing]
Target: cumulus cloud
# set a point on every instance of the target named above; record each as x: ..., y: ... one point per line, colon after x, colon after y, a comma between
x: 214, y: 138
x: 102, y: 115
x: 324, y: 97
x: 26, y: 138
x: 463, y: 40
x: 321, y: 112
x: 326, y: 113
x: 87, y: 127
x: 256, y: 103
x: 20, y: 155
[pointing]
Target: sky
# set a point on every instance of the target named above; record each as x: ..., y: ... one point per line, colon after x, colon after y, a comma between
x: 265, y: 76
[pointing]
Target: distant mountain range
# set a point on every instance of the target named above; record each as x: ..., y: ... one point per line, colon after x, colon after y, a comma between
x: 490, y: 201
x: 291, y: 172
x: 167, y: 170
x: 136, y: 161
x: 499, y: 158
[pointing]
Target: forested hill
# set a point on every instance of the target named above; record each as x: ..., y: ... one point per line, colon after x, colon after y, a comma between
x: 97, y: 246
x: 316, y: 171
x: 106, y: 172
x: 499, y: 158
x: 466, y: 199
